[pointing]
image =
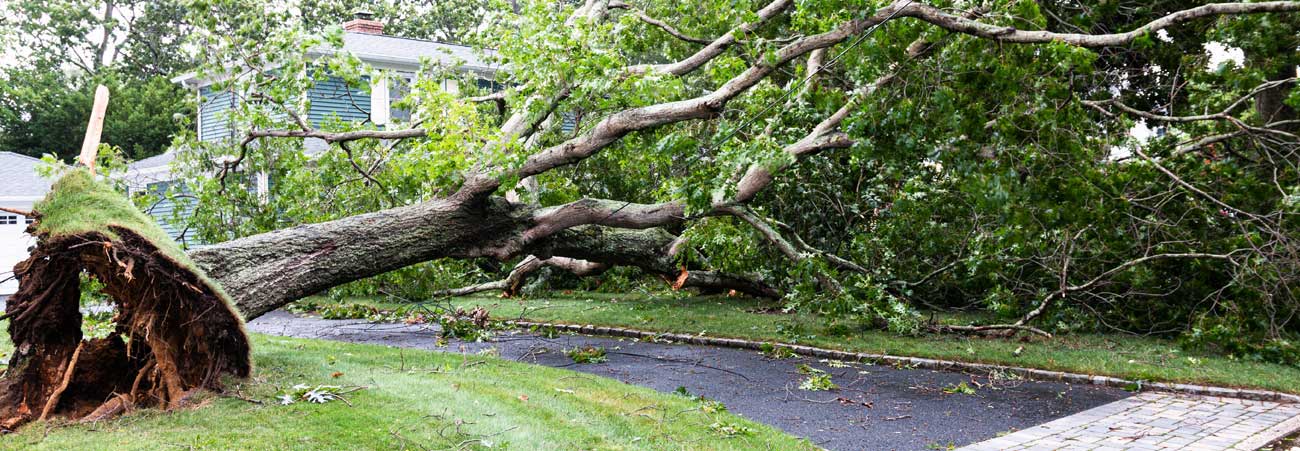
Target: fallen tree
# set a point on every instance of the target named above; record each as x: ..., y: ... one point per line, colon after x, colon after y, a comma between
x: 468, y: 217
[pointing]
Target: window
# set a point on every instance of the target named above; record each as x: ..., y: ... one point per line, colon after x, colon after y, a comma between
x: 401, y: 87
x: 159, y: 188
x: 8, y: 219
x: 489, y: 85
x: 30, y: 220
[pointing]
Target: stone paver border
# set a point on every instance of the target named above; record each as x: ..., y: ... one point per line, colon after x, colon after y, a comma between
x: 1158, y: 421
x: 917, y: 362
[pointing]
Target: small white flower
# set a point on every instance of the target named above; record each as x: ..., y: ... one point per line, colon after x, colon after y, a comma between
x: 286, y: 400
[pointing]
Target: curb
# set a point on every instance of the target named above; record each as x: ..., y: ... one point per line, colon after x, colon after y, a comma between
x: 929, y: 364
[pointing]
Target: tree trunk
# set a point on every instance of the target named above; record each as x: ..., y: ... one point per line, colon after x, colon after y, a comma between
x: 264, y: 272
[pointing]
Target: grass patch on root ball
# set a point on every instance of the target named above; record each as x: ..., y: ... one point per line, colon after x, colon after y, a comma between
x: 175, y: 332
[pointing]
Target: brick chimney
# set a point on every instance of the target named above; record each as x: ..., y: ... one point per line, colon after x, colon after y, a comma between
x: 364, y: 23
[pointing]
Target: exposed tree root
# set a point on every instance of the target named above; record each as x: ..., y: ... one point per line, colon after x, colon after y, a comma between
x: 173, y: 332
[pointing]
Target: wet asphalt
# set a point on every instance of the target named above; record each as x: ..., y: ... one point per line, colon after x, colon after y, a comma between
x: 874, y: 408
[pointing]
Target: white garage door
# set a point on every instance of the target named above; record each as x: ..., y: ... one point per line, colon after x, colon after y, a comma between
x: 14, y: 242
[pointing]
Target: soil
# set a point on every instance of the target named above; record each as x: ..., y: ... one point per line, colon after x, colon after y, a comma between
x: 173, y: 333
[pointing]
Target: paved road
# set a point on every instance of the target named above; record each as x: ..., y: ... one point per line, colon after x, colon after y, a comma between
x: 876, y: 408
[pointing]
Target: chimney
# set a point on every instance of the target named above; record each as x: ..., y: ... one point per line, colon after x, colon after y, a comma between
x: 364, y: 23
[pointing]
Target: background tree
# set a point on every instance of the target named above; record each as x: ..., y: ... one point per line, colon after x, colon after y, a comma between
x: 63, y: 49
x: 452, y: 22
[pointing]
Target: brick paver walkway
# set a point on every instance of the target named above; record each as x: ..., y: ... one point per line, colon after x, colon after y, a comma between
x: 1157, y: 421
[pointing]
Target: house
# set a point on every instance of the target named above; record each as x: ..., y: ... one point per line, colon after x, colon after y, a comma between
x: 22, y: 187
x: 364, y: 38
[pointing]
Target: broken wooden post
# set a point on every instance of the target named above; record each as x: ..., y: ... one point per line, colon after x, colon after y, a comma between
x: 90, y: 145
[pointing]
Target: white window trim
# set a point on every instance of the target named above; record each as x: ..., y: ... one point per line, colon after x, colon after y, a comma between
x: 380, y: 109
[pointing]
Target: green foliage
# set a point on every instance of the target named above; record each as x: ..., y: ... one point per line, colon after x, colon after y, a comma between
x: 960, y: 388
x: 45, y: 112
x: 1239, y: 341
x: 472, y: 325
x: 772, y: 351
x: 587, y: 354
x: 97, y: 323
x: 730, y: 429
x: 818, y: 382
x: 707, y: 405
x: 60, y: 56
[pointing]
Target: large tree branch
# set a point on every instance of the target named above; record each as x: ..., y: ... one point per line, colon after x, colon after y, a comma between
x: 958, y: 24
x: 603, y: 212
x: 709, y: 105
x: 652, y: 250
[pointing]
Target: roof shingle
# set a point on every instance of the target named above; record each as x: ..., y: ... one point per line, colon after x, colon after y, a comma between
x: 18, y: 177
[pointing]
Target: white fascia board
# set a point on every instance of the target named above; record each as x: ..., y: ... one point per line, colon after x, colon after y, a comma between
x: 20, y: 198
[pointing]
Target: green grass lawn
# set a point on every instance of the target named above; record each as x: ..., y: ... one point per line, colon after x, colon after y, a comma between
x: 1129, y: 357
x: 416, y: 400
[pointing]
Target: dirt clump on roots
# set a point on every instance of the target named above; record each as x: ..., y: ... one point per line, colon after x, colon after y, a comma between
x: 174, y: 332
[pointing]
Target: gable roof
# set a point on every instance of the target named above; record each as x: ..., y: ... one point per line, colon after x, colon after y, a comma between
x: 405, y: 53
x: 160, y: 160
x: 389, y: 52
x: 18, y: 178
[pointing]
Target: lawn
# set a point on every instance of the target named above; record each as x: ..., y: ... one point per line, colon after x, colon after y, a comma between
x: 1124, y: 356
x: 416, y: 400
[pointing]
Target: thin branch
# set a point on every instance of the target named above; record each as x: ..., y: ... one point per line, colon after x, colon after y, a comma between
x: 998, y: 33
x: 674, y: 32
x: 715, y: 47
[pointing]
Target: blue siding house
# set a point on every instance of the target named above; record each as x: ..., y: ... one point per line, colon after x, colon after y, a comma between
x: 333, y: 98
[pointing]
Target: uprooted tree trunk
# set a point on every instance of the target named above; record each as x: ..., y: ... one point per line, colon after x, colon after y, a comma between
x: 264, y: 272
x: 174, y: 331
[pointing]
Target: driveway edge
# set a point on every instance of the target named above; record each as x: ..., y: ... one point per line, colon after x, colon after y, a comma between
x: 917, y: 362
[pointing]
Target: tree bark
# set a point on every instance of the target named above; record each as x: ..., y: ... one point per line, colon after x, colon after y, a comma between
x: 264, y: 272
